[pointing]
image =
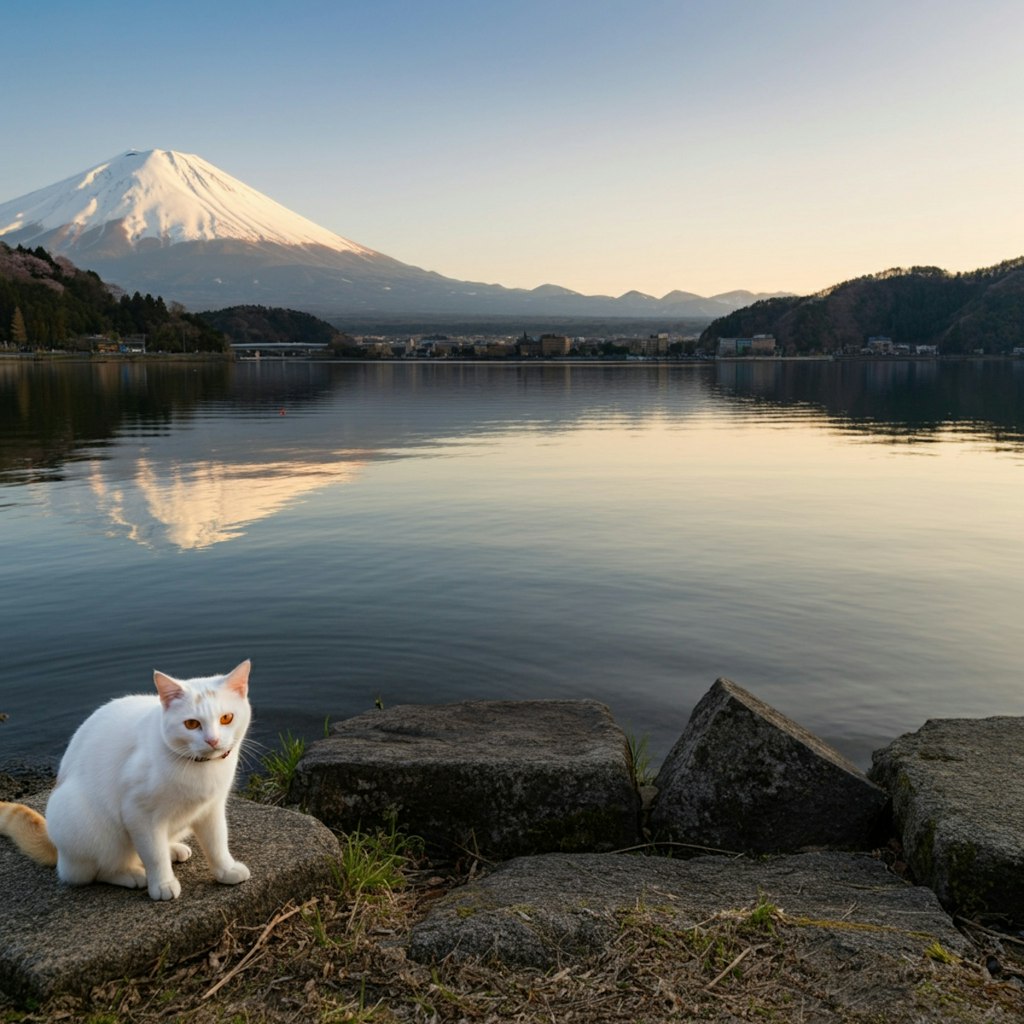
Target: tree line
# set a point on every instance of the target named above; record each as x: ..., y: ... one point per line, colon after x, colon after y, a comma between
x: 958, y: 313
x: 47, y: 302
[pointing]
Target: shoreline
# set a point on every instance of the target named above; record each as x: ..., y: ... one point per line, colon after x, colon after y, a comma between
x: 58, y: 356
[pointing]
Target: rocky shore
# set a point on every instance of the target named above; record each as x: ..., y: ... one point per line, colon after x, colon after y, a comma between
x: 750, y: 816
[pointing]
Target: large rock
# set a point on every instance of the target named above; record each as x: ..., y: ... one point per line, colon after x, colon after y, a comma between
x: 56, y: 938
x: 958, y: 804
x: 538, y: 911
x: 744, y: 777
x: 496, y: 777
x: 853, y: 934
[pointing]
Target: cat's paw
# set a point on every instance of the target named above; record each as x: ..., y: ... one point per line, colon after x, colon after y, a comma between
x: 180, y: 853
x: 169, y: 890
x: 232, y: 874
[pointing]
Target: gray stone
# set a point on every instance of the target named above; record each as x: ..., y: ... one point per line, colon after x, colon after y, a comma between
x: 744, y: 777
x: 958, y: 804
x: 56, y: 938
x: 496, y: 777
x: 542, y: 911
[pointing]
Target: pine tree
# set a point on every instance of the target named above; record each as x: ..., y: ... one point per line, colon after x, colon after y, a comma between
x: 19, y: 336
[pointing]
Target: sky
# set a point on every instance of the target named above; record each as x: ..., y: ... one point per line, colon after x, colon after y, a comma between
x: 604, y: 146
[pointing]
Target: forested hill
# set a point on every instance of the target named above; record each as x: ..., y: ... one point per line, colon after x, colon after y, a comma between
x: 254, y: 324
x: 981, y: 309
x: 48, y: 302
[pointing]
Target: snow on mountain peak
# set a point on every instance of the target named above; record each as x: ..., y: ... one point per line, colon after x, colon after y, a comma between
x: 164, y: 195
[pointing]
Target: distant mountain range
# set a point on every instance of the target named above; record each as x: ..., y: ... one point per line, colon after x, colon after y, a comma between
x: 957, y: 313
x: 172, y: 224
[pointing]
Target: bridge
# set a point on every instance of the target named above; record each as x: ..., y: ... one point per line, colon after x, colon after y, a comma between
x: 277, y: 349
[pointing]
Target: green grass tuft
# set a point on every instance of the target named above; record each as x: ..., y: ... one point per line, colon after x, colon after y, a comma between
x: 639, y: 760
x: 270, y: 786
x: 374, y: 862
x: 761, y: 920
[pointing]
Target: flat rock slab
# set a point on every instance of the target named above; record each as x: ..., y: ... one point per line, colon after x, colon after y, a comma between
x: 958, y: 805
x: 850, y: 944
x: 56, y: 938
x: 500, y: 778
x: 745, y: 777
x: 539, y: 911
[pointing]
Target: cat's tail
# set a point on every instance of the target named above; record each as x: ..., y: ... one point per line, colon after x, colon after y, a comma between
x: 28, y: 830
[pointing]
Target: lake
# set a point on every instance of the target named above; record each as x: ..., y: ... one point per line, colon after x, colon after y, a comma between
x: 843, y: 539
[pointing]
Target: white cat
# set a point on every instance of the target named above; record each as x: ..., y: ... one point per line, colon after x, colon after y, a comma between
x: 140, y: 774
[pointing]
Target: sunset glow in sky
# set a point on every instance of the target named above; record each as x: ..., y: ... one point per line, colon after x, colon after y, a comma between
x: 602, y: 145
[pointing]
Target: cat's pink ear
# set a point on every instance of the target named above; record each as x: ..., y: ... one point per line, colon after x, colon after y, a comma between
x: 237, y: 679
x: 169, y: 689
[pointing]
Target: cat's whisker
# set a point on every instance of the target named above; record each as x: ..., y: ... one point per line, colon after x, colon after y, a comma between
x: 252, y: 744
x: 248, y: 759
x: 253, y: 748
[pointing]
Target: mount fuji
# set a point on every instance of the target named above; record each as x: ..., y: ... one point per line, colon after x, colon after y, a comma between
x: 173, y: 224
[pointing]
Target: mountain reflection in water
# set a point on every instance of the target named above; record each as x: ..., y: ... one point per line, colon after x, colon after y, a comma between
x: 204, y: 503
x: 429, y: 532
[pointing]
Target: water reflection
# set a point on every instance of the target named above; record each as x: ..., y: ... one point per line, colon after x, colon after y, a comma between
x: 890, y: 399
x: 441, y: 532
x: 50, y: 412
x: 189, y: 456
x: 195, y: 506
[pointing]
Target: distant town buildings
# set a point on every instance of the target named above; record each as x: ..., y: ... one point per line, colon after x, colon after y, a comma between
x: 883, y: 345
x: 758, y: 345
x: 554, y: 345
x: 652, y: 345
x: 104, y: 344
x: 547, y: 346
x: 528, y: 348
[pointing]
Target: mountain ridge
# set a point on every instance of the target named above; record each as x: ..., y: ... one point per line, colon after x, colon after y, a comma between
x: 956, y: 313
x: 170, y: 222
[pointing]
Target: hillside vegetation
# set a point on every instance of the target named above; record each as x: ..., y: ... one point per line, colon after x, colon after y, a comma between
x: 47, y: 302
x: 263, y: 324
x: 959, y: 313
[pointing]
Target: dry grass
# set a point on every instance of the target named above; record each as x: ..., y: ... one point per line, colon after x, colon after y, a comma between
x: 341, y: 957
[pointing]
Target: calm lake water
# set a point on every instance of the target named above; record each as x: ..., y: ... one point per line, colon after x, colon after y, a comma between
x: 843, y: 539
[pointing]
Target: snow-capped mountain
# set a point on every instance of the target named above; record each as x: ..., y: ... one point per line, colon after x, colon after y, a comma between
x: 166, y: 196
x: 173, y: 224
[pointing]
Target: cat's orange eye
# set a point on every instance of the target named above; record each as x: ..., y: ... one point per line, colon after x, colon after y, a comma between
x: 192, y: 723
x: 226, y: 719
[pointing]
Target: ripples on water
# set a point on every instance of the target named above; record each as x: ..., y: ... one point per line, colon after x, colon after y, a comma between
x: 843, y: 539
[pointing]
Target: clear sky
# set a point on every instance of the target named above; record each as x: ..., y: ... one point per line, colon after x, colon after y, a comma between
x: 602, y: 145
